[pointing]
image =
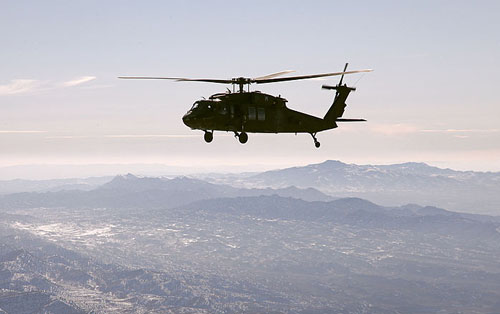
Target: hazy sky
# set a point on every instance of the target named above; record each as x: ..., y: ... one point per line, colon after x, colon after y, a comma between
x: 433, y: 97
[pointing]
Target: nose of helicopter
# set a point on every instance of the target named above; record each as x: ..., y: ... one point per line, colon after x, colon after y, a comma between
x: 186, y: 119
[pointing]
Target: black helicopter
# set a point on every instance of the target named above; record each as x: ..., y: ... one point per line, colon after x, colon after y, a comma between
x: 248, y: 111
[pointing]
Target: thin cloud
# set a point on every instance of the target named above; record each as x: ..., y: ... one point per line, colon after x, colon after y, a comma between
x: 25, y: 86
x: 460, y: 130
x: 70, y: 137
x: 149, y: 135
x: 122, y: 136
x: 19, y: 86
x: 402, y: 129
x: 78, y: 81
x: 21, y: 131
x: 394, y: 129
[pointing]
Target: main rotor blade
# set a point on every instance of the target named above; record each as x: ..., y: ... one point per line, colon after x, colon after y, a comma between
x: 179, y: 79
x: 269, y: 76
x: 304, y: 77
x: 206, y: 80
x: 148, y: 78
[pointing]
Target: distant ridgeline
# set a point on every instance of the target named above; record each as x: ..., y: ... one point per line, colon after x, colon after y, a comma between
x: 389, y: 185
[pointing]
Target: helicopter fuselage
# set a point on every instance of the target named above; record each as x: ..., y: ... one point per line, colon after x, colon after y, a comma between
x: 255, y: 112
x: 251, y: 112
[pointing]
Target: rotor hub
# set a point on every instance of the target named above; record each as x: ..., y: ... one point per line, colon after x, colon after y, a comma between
x: 241, y: 82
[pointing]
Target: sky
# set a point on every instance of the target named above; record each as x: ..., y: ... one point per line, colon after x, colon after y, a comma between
x: 432, y: 97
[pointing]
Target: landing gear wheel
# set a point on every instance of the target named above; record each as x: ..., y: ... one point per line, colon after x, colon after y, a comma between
x: 209, y: 136
x: 243, y: 137
x: 316, y: 143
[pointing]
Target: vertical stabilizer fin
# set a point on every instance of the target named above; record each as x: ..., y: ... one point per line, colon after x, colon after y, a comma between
x: 337, y: 108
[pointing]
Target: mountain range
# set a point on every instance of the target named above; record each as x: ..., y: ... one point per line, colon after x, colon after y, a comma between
x: 398, y: 184
x: 130, y: 191
x: 249, y: 243
x: 389, y: 185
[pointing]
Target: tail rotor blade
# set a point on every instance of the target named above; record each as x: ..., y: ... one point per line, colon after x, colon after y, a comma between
x: 342, y: 77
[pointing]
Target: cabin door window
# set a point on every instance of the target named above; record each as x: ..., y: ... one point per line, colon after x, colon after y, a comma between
x: 261, y: 114
x: 251, y: 113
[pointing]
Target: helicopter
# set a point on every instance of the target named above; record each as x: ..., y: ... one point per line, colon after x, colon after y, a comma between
x: 243, y: 111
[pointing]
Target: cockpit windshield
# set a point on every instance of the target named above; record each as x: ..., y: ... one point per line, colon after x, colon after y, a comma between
x: 195, y: 105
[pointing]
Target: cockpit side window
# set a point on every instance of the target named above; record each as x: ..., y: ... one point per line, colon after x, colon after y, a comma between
x: 222, y: 109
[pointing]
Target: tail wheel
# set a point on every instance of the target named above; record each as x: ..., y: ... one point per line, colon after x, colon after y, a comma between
x: 243, y: 137
x: 209, y: 136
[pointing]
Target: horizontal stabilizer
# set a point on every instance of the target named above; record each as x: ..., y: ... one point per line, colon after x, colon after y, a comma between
x: 338, y: 87
x: 350, y: 120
